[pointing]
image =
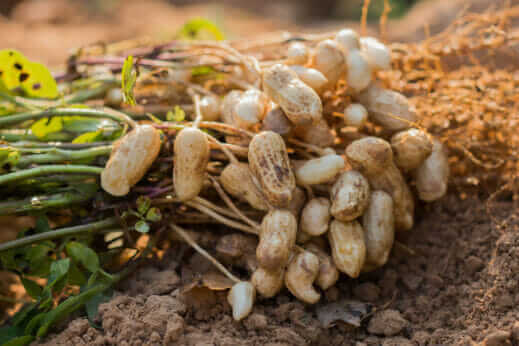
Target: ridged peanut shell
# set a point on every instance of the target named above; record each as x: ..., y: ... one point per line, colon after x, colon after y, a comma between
x: 300, y: 275
x: 269, y: 163
x: 191, y: 156
x: 328, y: 273
x: 237, y: 180
x: 349, y: 196
x: 348, y: 246
x: 268, y: 283
x: 131, y: 157
x: 411, y: 148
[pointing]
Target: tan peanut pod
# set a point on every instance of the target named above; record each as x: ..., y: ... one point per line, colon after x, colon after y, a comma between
x: 269, y: 163
x: 210, y: 108
x: 131, y: 157
x: 298, y: 201
x: 373, y: 157
x: 315, y: 217
x: 241, y: 298
x: 432, y: 177
x: 348, y: 246
x: 300, y: 103
x: 388, y: 108
x: 268, y: 283
x: 319, y: 171
x: 349, y: 196
x: 355, y: 115
x: 318, y: 134
x: 300, y: 276
x: 311, y: 77
x: 277, y: 237
x: 411, y: 148
x: 328, y: 273
x: 359, y: 71
x: 378, y: 54
x: 229, y: 102
x: 329, y: 59
x: 191, y: 156
x: 379, y: 228
x: 276, y: 121
x: 297, y: 53
x: 237, y: 180
x: 250, y: 109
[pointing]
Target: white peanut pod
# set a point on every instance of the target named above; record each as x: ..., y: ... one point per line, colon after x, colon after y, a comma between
x: 318, y: 134
x: 348, y: 246
x: 268, y: 283
x: 210, y: 108
x: 250, y: 109
x: 191, y: 156
x: 269, y: 163
x: 300, y: 102
x: 328, y: 273
x: 297, y: 53
x: 329, y: 59
x: 276, y: 121
x: 411, y: 148
x: 227, y: 106
x: 277, y: 237
x: 300, y: 276
x: 241, y: 298
x: 355, y: 115
x: 311, y: 77
x: 320, y: 170
x: 348, y: 40
x: 359, y: 71
x: 131, y: 157
x: 379, y: 228
x: 432, y: 177
x: 237, y: 180
x: 315, y: 217
x: 388, y: 108
x: 349, y: 196
x: 373, y: 157
x: 378, y: 54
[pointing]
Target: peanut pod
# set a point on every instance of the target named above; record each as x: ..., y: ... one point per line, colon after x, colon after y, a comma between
x: 349, y: 196
x: 328, y: 273
x: 319, y: 171
x: 315, y: 216
x: 432, y: 176
x: 237, y: 180
x: 411, y: 148
x: 300, y: 276
x: 268, y: 283
x: 348, y: 246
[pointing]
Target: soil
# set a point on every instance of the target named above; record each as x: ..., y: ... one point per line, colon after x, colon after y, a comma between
x: 459, y: 288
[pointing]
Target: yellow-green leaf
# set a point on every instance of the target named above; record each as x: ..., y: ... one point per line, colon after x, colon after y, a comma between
x: 200, y: 29
x: 89, y: 137
x: 44, y: 126
x: 12, y: 63
x: 177, y: 114
x: 37, y: 81
x: 128, y: 81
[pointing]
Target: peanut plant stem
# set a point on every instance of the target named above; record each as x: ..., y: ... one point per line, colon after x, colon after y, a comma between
x: 47, y: 170
x: 204, y: 253
x: 43, y: 202
x: 59, y: 155
x: 58, y: 233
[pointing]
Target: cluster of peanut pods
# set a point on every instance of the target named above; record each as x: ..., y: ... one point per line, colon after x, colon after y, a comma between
x: 334, y: 210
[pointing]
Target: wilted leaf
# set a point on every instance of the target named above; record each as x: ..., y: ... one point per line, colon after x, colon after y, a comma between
x: 348, y: 311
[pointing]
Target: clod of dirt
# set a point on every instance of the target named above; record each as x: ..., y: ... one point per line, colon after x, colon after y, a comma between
x: 387, y: 322
x: 498, y: 338
x: 256, y: 322
x: 397, y: 341
x: 368, y: 292
x: 348, y: 311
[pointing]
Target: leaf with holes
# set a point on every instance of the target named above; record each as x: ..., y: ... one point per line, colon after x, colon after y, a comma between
x: 37, y: 81
x: 12, y: 63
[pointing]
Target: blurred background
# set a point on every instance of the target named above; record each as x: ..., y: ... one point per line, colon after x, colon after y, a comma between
x: 47, y: 30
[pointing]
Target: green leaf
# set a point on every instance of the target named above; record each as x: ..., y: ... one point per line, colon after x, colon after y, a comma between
x: 31, y: 287
x: 143, y: 204
x: 92, y: 306
x: 129, y: 78
x: 42, y: 224
x: 44, y: 126
x: 37, y: 81
x: 154, y: 215
x: 20, y: 341
x: 9, y: 333
x: 56, y: 282
x: 34, y: 323
x: 23, y: 315
x: 177, y: 114
x: 89, y: 137
x: 200, y: 29
x: 84, y: 255
x: 142, y: 226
